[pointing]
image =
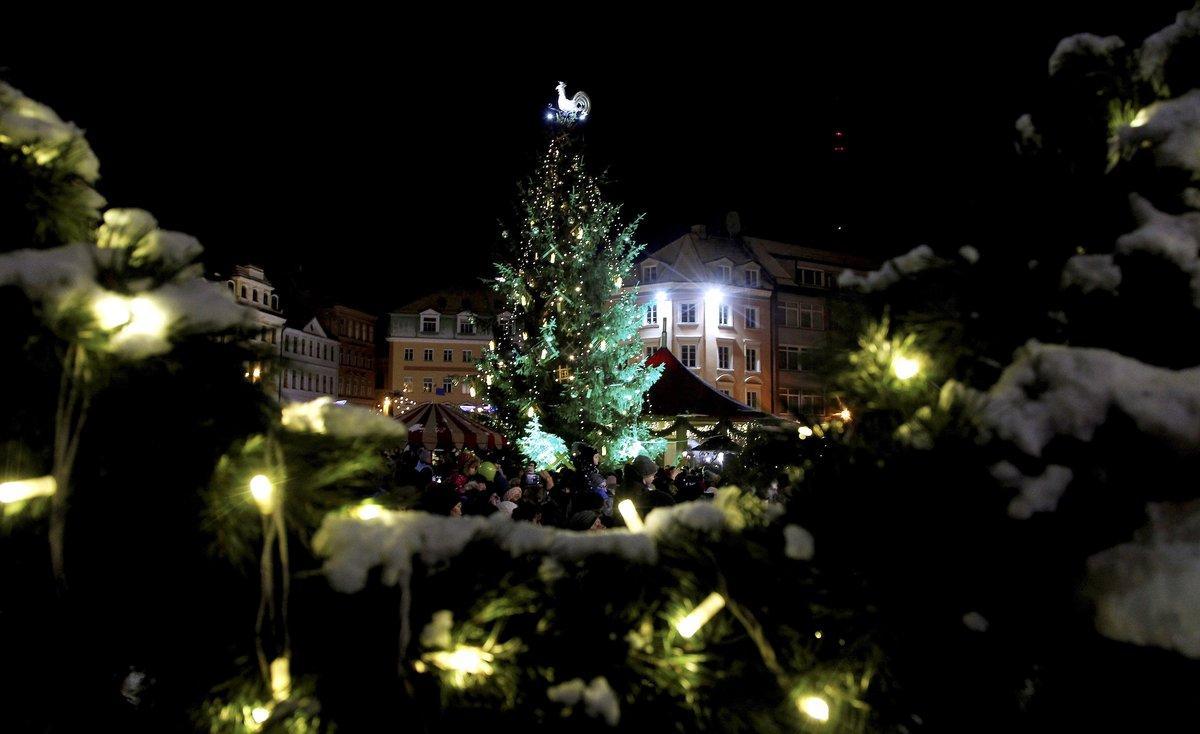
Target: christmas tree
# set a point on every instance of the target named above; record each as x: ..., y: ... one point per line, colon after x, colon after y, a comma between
x: 566, y: 363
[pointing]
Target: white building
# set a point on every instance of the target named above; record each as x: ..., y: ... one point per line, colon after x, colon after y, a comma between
x: 308, y: 360
x: 250, y: 287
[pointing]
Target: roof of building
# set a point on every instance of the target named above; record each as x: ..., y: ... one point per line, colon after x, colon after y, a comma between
x: 476, y: 301
x: 680, y: 392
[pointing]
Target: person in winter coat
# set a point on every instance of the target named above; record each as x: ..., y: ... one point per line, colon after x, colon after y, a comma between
x: 591, y: 490
x: 649, y: 496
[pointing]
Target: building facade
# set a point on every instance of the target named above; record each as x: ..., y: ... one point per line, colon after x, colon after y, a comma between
x: 355, y: 332
x: 742, y: 313
x: 309, y: 360
x: 251, y: 288
x: 433, y: 344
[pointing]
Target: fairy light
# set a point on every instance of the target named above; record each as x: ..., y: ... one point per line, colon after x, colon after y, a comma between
x: 462, y: 661
x: 530, y: 412
x: 804, y: 432
x: 814, y: 707
x: 905, y: 367
x: 111, y: 311
x: 699, y: 616
x: 146, y: 317
x: 845, y: 414
x: 368, y: 511
x: 263, y: 492
x: 281, y: 679
x: 472, y: 391
x: 260, y: 714
x: 23, y: 489
x: 633, y: 521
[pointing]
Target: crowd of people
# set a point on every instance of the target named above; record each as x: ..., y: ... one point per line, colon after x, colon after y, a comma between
x: 576, y: 497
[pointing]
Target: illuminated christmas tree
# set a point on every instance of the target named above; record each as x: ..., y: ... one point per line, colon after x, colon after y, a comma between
x: 567, y: 350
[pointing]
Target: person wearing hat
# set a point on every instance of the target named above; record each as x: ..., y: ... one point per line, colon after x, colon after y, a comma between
x: 649, y: 496
x: 585, y: 520
x: 423, y: 469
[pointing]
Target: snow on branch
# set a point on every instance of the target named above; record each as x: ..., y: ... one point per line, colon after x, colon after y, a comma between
x: 893, y: 271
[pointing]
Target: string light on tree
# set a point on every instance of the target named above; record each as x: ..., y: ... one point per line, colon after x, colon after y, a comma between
x: 699, y: 616
x: 814, y: 707
x: 905, y: 367
x: 23, y: 489
x: 263, y: 492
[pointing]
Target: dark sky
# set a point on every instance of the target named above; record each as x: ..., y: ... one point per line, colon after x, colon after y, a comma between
x: 370, y: 162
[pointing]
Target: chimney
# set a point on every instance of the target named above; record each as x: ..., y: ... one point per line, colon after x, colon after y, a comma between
x: 700, y: 231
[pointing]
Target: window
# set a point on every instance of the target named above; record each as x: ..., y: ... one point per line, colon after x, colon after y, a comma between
x: 723, y: 314
x: 429, y: 324
x: 650, y: 273
x: 752, y: 318
x: 789, y: 313
x: 751, y: 359
x: 687, y: 355
x: 724, y: 391
x: 652, y: 314
x: 812, y: 316
x: 752, y: 398
x: 243, y: 291
x: 789, y: 400
x: 428, y: 355
x: 687, y: 313
x: 427, y: 384
x: 789, y: 359
x: 811, y: 278
x: 275, y: 302
x: 292, y: 382
x: 813, y: 405
x: 255, y: 292
x: 447, y: 385
x: 723, y: 273
x: 467, y: 356
x: 407, y: 383
x: 723, y: 360
x: 309, y: 382
x: 751, y: 281
x: 447, y: 355
x: 466, y: 324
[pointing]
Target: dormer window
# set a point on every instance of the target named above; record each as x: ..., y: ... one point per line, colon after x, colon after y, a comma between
x: 274, y: 301
x: 429, y: 324
x: 751, y: 278
x: 466, y: 324
x: 650, y: 273
x: 724, y: 273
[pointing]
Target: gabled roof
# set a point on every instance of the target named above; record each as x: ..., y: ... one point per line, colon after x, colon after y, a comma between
x: 680, y: 392
x: 477, y: 301
x: 302, y: 321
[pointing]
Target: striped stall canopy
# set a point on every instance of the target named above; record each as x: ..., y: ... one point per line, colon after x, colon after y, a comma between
x: 443, y: 426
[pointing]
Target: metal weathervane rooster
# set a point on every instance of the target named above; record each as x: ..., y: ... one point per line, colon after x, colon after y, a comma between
x: 571, y: 109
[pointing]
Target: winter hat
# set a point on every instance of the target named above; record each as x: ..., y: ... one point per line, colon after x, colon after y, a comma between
x: 582, y: 520
x: 644, y: 466
x: 487, y: 470
x: 507, y: 507
x: 584, y: 451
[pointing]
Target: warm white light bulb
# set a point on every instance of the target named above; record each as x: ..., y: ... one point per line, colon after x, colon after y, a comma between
x: 111, y: 311
x: 712, y: 604
x: 24, y: 489
x: 263, y: 492
x: 905, y: 367
x: 814, y: 707
x: 633, y: 521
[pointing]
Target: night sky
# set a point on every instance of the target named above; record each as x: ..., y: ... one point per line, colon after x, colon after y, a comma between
x: 373, y: 169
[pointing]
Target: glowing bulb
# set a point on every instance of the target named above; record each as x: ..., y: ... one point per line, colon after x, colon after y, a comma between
x: 633, y: 521
x: 111, y: 311
x: 552, y: 256
x: 263, y: 492
x: 804, y: 432
x: 544, y: 353
x: 904, y: 367
x: 368, y: 511
x: 714, y: 295
x: 387, y: 405
x: 463, y: 660
x: 281, y: 679
x: 146, y: 317
x: 257, y: 372
x: 619, y: 281
x: 603, y: 345
x: 1141, y: 118
x: 488, y: 380
x: 492, y: 345
x: 260, y: 714
x: 712, y: 604
x: 662, y: 296
x: 845, y: 414
x: 814, y: 707
x: 472, y: 391
x: 549, y: 116
x: 529, y: 412
x: 24, y: 489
